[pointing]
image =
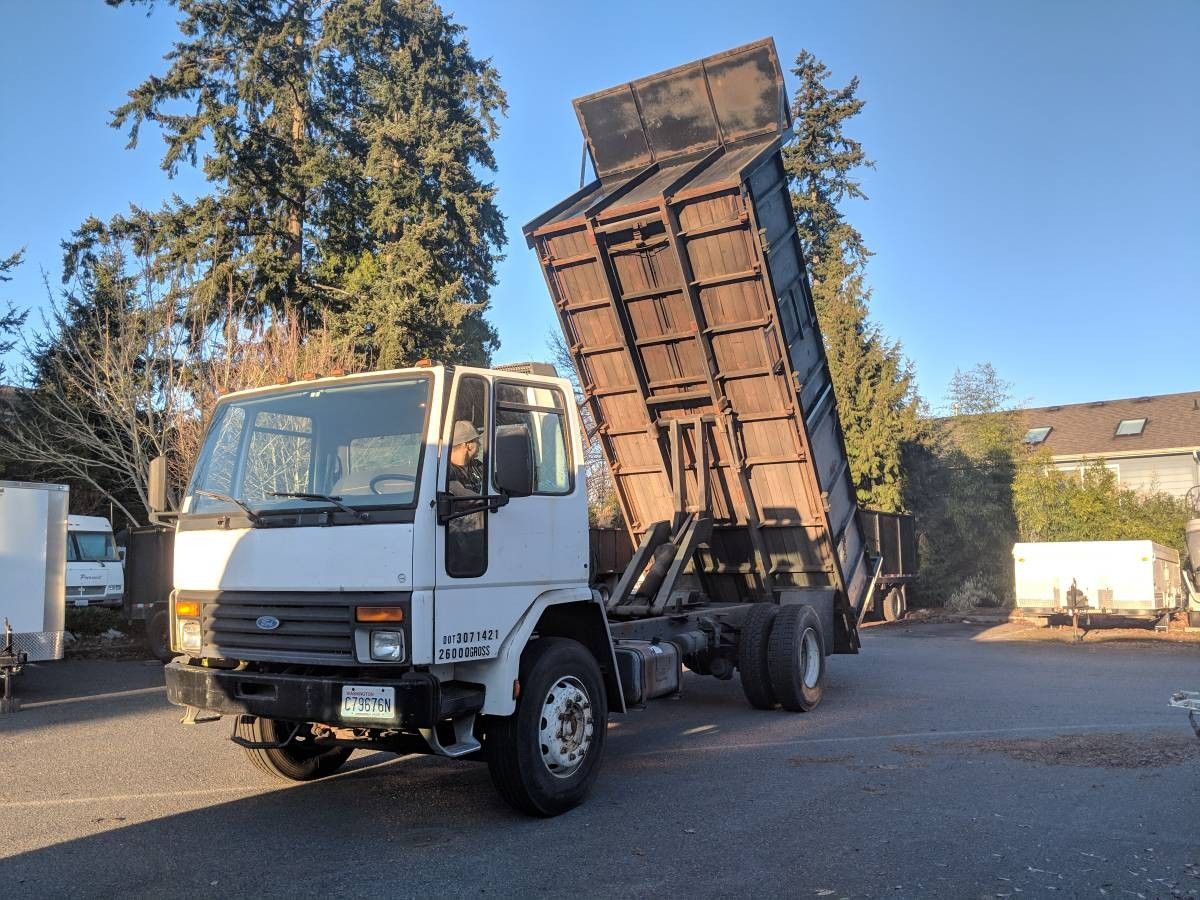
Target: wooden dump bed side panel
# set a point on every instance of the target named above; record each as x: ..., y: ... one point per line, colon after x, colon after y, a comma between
x: 683, y: 296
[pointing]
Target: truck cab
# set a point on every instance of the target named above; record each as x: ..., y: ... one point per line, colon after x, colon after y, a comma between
x: 95, y: 575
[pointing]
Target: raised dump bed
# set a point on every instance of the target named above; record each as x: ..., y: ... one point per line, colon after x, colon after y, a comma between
x: 681, y: 288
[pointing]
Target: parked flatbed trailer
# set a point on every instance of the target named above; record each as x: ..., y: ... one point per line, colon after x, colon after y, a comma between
x: 892, y: 541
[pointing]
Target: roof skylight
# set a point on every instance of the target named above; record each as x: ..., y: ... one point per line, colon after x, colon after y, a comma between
x: 1130, y: 427
x: 1036, y: 436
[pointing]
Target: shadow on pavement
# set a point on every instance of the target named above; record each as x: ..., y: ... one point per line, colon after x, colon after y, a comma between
x: 74, y: 691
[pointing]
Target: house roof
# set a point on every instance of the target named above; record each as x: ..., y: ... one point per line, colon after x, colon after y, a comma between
x: 1090, y: 429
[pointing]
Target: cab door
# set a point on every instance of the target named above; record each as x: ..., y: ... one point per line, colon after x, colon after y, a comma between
x: 496, y: 555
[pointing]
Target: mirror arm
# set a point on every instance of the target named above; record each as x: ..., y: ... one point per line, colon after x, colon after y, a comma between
x: 166, y: 519
x: 446, y: 502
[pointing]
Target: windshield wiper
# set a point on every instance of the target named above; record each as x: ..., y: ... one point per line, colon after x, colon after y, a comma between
x: 255, y: 518
x: 328, y: 498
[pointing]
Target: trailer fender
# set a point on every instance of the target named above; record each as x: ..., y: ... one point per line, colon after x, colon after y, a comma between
x: 575, y: 613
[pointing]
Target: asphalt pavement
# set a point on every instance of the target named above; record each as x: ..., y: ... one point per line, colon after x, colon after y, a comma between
x: 938, y: 765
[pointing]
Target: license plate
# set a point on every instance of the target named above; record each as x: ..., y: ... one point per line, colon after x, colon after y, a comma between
x: 360, y: 701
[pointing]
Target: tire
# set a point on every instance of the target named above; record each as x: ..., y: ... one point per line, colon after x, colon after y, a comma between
x: 752, y: 655
x: 298, y: 761
x: 796, y: 658
x: 158, y: 638
x: 534, y: 775
x: 892, y: 605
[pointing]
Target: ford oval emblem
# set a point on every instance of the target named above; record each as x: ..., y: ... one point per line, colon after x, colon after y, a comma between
x: 267, y: 623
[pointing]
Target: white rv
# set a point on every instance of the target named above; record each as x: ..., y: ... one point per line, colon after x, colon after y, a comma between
x: 95, y: 576
x: 33, y: 558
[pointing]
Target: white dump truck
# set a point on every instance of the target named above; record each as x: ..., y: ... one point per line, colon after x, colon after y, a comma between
x: 400, y: 560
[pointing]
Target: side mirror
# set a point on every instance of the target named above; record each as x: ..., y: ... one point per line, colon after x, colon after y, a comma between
x: 515, y: 473
x: 156, y: 489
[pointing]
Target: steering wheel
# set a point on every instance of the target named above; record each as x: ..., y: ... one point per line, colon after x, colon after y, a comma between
x: 386, y: 476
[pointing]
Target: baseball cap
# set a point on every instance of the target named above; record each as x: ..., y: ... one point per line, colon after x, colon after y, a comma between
x: 464, y: 431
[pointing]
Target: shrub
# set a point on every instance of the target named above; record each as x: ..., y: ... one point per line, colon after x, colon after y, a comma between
x: 93, y: 621
x: 976, y: 591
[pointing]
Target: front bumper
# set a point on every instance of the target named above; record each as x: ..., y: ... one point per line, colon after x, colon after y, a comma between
x: 421, y: 700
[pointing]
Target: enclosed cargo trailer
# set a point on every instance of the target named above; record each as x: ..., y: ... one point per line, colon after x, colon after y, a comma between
x: 1136, y: 579
x: 680, y: 285
x: 33, y: 560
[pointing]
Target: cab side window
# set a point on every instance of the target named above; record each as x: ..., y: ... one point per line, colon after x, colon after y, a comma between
x: 541, y: 411
x: 466, y: 471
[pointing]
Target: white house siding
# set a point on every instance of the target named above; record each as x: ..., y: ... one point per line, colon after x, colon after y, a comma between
x: 1175, y: 474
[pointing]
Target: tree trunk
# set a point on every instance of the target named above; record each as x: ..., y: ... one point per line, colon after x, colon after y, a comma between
x: 295, y: 223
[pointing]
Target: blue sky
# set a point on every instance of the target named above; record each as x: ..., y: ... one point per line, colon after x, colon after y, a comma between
x: 1036, y: 201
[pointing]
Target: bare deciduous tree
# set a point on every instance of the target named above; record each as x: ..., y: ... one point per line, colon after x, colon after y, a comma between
x: 119, y: 382
x: 603, y: 508
x: 236, y: 359
x: 106, y: 402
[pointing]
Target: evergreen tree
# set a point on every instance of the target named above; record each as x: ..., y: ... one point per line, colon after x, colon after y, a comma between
x: 960, y: 488
x: 11, y: 319
x: 873, y: 383
x: 342, y: 140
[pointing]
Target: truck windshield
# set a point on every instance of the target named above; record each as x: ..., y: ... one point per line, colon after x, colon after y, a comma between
x: 360, y: 443
x: 91, y: 546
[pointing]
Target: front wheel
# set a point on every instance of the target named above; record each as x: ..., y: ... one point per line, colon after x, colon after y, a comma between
x: 300, y: 760
x: 545, y: 757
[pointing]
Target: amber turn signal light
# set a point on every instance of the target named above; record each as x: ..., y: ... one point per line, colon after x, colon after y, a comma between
x: 187, y: 608
x: 379, y: 614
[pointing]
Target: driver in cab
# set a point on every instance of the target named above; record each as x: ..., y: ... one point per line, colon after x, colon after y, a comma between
x: 466, y: 469
x: 466, y: 553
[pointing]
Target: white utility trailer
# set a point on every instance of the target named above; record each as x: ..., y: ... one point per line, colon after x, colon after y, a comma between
x: 1132, y: 579
x: 33, y: 560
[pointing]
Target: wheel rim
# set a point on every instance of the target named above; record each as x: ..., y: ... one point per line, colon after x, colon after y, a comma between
x: 810, y: 658
x: 567, y: 727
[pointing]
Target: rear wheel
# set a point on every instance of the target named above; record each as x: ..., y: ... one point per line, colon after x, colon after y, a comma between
x: 796, y: 658
x: 893, y: 604
x: 545, y: 757
x: 300, y: 760
x: 752, y: 655
x: 158, y: 638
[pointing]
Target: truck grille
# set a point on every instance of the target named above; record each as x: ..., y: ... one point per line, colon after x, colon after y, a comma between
x: 86, y: 590
x: 316, y: 628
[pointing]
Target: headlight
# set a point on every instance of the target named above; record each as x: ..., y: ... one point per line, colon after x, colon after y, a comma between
x: 189, y: 635
x: 387, y: 645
